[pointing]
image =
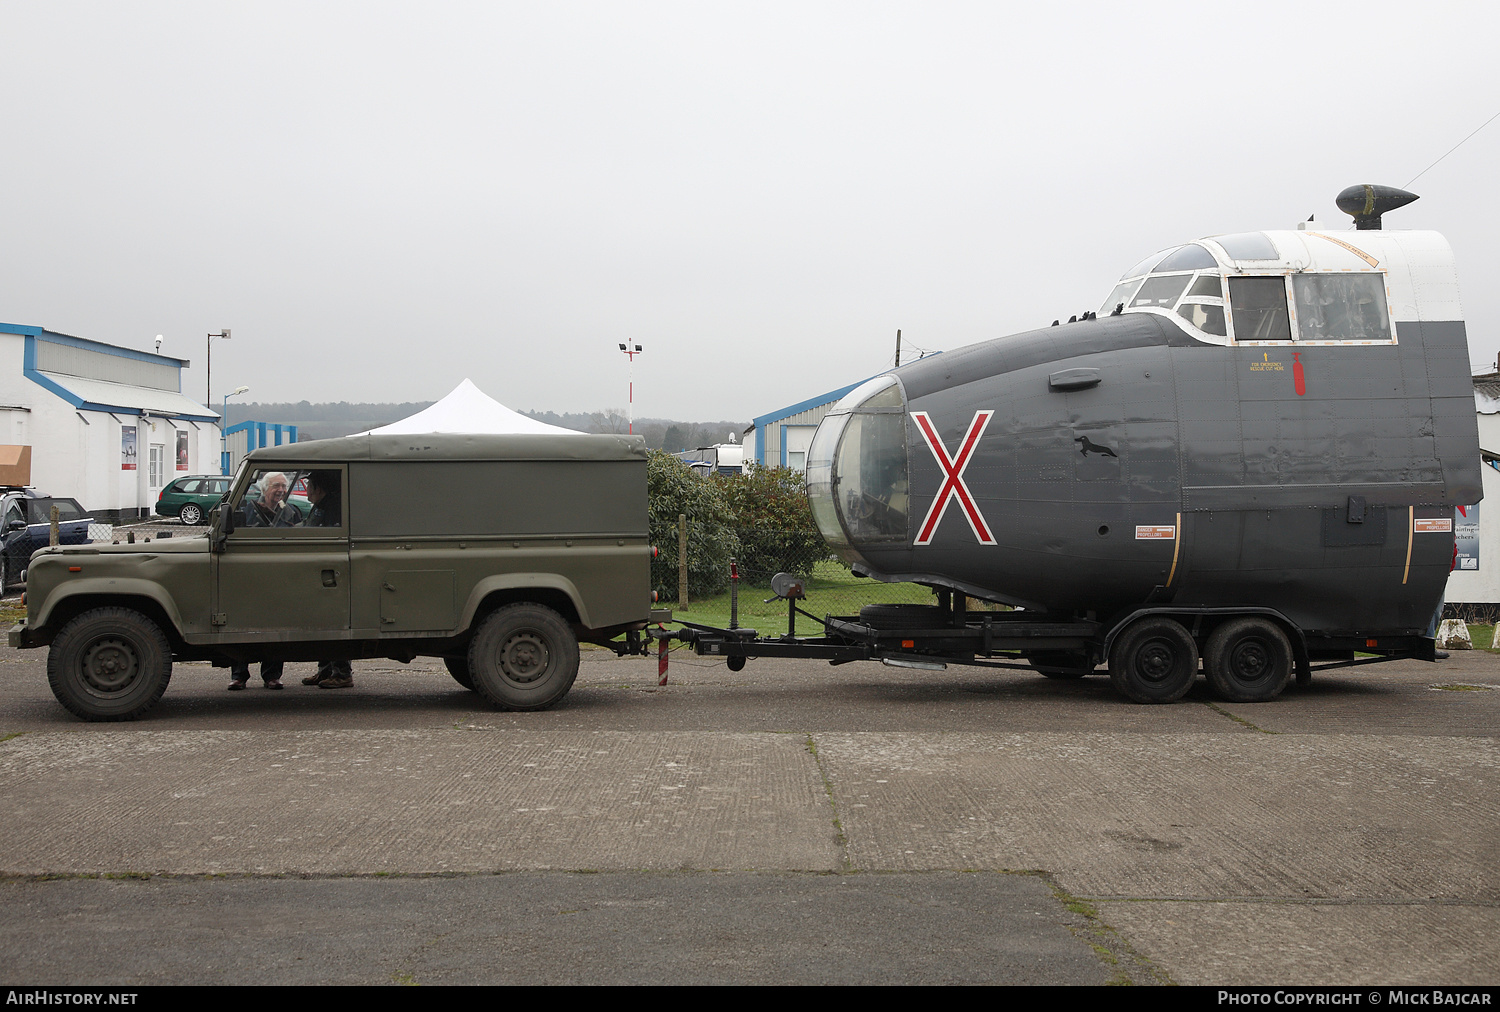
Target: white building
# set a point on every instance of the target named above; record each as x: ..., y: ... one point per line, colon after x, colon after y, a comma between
x: 1476, y: 578
x: 108, y: 426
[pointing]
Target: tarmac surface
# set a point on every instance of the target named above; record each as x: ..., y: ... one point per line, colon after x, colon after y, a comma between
x: 793, y: 822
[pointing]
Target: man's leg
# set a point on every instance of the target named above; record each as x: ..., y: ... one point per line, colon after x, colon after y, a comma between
x: 270, y: 673
x: 239, y: 674
x: 340, y: 675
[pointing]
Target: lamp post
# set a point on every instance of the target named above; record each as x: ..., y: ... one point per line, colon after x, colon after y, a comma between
x: 223, y: 439
x: 630, y: 399
x: 208, y: 383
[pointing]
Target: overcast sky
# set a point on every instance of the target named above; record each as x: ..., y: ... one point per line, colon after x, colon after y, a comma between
x: 383, y: 199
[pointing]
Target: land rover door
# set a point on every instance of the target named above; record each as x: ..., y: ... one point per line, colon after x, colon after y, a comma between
x: 282, y: 576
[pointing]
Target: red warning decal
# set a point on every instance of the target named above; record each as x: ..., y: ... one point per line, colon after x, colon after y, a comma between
x: 1424, y: 526
x: 1298, y: 380
x: 1163, y: 532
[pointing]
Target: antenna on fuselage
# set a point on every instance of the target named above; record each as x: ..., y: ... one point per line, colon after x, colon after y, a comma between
x: 1367, y: 202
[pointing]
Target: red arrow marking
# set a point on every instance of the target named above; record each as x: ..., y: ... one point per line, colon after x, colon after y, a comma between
x: 953, y: 483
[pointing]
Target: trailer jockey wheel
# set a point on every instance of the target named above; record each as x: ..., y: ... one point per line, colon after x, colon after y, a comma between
x: 1154, y: 661
x: 1248, y: 660
x: 734, y: 662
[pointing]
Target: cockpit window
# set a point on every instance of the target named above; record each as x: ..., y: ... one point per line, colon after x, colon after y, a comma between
x: 1209, y: 319
x: 1341, y: 307
x: 1259, y: 306
x: 1207, y: 285
x: 1248, y: 246
x: 1120, y: 296
x: 1146, y: 264
x: 1190, y: 258
x: 857, y: 467
x: 1160, y: 292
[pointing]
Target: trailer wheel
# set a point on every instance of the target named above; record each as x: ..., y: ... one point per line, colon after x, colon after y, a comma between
x: 1060, y: 663
x: 1154, y: 661
x: 524, y: 657
x: 734, y: 662
x: 1248, y: 660
x: 109, y: 664
x: 458, y: 667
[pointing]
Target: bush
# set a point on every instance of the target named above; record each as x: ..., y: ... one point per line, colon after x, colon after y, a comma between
x: 674, y: 489
x: 774, y: 522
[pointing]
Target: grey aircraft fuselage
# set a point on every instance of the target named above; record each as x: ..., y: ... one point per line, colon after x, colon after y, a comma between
x: 1308, y: 463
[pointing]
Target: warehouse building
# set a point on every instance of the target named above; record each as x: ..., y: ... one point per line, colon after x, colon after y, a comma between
x: 108, y: 426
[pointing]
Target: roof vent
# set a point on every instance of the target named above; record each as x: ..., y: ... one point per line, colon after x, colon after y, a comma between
x: 1366, y: 203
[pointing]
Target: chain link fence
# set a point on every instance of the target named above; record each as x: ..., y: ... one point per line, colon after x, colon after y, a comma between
x: 760, y: 553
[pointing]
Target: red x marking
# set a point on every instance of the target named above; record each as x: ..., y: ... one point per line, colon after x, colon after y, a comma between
x: 953, y: 483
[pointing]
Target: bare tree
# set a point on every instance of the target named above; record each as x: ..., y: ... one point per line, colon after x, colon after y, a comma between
x: 609, y: 420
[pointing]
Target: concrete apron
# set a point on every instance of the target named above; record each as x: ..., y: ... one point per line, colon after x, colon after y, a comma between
x: 1221, y: 857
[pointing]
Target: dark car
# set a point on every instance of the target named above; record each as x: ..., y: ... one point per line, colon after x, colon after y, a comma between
x: 192, y: 497
x: 28, y: 526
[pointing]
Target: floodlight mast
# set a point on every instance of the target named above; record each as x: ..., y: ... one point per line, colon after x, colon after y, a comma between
x: 208, y: 380
x: 630, y: 397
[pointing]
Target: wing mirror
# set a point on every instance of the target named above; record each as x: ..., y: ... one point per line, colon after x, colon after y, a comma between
x: 15, y: 525
x: 221, y: 526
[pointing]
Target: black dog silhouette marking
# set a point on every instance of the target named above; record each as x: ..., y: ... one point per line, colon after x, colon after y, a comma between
x: 1090, y: 446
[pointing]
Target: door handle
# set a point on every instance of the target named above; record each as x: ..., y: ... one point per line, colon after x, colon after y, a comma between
x: 330, y: 577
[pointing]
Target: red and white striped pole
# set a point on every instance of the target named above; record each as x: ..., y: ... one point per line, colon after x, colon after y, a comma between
x: 631, y: 351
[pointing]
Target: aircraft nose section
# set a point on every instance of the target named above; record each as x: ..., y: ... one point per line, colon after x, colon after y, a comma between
x: 857, y: 469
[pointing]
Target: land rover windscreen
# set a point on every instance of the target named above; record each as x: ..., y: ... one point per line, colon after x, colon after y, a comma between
x: 857, y: 469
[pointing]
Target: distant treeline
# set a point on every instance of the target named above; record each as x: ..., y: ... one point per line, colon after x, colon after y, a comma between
x: 327, y: 420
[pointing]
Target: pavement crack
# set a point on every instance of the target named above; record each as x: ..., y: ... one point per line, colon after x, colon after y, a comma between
x: 1126, y: 965
x: 838, y: 825
x: 1234, y: 717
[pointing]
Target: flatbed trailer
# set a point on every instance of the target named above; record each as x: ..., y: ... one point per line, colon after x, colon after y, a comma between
x: 930, y: 637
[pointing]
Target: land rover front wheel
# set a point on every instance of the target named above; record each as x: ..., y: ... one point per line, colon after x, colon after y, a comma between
x: 109, y: 664
x: 524, y: 657
x: 1154, y: 661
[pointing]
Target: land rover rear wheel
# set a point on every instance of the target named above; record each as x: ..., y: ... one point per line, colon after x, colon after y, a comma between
x: 109, y: 664
x: 524, y: 657
x: 1154, y: 661
x: 191, y: 515
x: 458, y: 667
x: 1248, y: 660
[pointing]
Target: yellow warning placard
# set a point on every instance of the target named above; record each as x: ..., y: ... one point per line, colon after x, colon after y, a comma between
x: 1427, y: 526
x: 1165, y: 532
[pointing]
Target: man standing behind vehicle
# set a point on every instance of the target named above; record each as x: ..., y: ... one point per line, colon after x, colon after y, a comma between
x: 327, y: 511
x: 270, y: 510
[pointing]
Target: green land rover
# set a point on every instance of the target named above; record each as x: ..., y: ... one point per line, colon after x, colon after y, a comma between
x: 535, y: 543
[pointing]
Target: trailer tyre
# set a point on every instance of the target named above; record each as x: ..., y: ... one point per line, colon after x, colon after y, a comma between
x: 734, y: 662
x: 458, y: 667
x: 1154, y: 661
x: 109, y: 664
x: 1248, y: 660
x: 524, y: 657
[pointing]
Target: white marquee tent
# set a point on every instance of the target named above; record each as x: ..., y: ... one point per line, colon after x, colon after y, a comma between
x: 468, y: 411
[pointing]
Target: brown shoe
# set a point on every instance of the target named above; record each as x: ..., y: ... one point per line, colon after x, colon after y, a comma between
x: 237, y: 684
x: 273, y: 683
x: 314, y: 678
x: 337, y: 682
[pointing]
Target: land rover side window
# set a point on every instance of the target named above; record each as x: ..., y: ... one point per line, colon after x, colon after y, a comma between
x: 1259, y: 307
x: 1341, y: 307
x: 284, y: 500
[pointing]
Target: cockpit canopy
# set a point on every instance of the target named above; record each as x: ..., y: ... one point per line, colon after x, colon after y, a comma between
x: 1240, y: 288
x: 857, y: 467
